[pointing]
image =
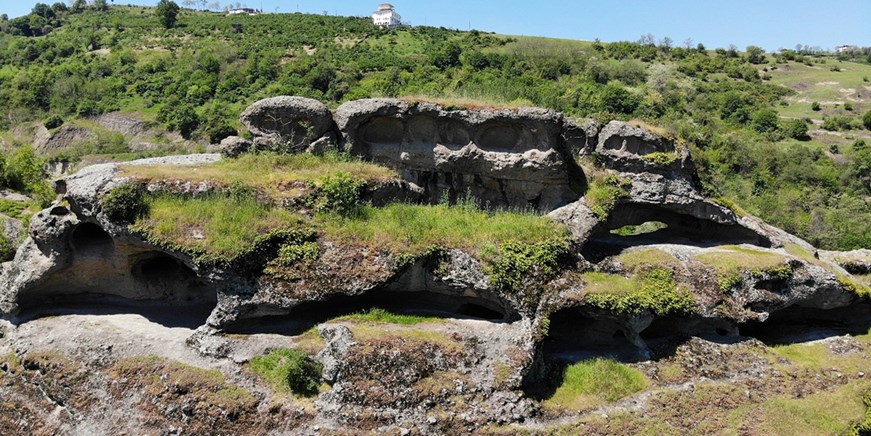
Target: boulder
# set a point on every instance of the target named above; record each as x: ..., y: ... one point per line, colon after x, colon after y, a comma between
x: 233, y: 146
x: 290, y: 123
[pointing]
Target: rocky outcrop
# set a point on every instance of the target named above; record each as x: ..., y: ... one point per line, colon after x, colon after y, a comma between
x: 290, y: 124
x: 503, y: 158
x: 64, y: 137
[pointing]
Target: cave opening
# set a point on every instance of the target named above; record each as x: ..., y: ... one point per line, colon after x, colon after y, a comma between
x: 575, y: 334
x: 638, y: 224
x: 423, y: 303
x: 89, y: 239
x: 801, y: 324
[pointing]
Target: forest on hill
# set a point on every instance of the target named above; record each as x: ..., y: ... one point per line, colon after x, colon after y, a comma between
x: 785, y: 136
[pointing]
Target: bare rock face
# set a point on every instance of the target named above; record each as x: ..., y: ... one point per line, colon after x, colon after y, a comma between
x: 64, y: 137
x: 233, y: 146
x: 503, y: 158
x: 855, y: 262
x: 581, y: 135
x: 289, y: 122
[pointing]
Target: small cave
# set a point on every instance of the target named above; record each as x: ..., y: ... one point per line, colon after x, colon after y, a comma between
x: 161, y: 268
x: 636, y: 224
x: 801, y: 324
x: 575, y: 334
x: 89, y: 239
x: 383, y: 131
x: 309, y: 314
x: 452, y: 134
x: 501, y: 137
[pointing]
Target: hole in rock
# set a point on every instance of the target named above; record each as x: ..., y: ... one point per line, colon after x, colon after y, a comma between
x: 498, y: 137
x: 162, y: 268
x: 799, y: 324
x: 635, y: 224
x: 576, y: 334
x: 478, y: 311
x: 306, y: 315
x: 90, y: 239
x: 383, y: 130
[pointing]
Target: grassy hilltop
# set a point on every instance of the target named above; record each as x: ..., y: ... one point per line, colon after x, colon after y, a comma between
x: 749, y: 117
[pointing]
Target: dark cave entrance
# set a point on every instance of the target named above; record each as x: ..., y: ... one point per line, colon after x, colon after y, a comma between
x: 306, y: 315
x: 638, y: 224
x: 89, y: 239
x: 801, y: 324
x: 578, y: 333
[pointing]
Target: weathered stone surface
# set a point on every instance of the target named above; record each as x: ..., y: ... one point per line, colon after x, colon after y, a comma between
x: 233, y: 146
x: 65, y: 136
x: 581, y: 135
x: 293, y: 122
x: 504, y: 158
x: 855, y: 262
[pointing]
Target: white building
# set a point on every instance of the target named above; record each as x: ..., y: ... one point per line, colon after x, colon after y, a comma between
x: 386, y: 16
x: 241, y: 11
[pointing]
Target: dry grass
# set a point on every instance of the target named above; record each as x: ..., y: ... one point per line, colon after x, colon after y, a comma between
x: 464, y: 102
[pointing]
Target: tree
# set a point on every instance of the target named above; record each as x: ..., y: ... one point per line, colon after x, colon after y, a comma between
x: 167, y: 12
x: 796, y: 129
x: 615, y: 99
x: 43, y: 10
x: 78, y: 5
x: 755, y: 55
x: 101, y: 5
x: 764, y: 120
x: 866, y: 120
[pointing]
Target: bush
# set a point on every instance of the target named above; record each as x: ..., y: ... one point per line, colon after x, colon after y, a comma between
x: 590, y: 382
x: 796, y: 129
x: 289, y: 370
x: 340, y: 193
x: 764, y: 120
x: 53, y: 122
x: 519, y: 262
x: 866, y: 120
x: 166, y: 12
x: 615, y: 99
x: 815, y: 106
x: 848, y: 106
x: 124, y: 203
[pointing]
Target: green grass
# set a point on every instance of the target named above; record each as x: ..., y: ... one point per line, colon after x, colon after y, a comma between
x: 641, y: 229
x: 731, y: 261
x: 603, y: 193
x: 380, y: 316
x: 288, y: 370
x: 216, y: 225
x: 654, y: 290
x: 269, y: 173
x: 638, y: 260
x: 413, y: 229
x: 592, y: 382
x: 819, y: 83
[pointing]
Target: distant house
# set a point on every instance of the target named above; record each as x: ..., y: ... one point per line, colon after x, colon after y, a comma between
x: 846, y: 48
x: 241, y: 11
x: 386, y: 16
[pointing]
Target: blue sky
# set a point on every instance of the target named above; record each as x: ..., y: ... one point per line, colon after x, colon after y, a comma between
x: 771, y: 24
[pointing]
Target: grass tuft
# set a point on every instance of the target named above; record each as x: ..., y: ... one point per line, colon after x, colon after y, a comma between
x: 377, y: 315
x: 288, y: 370
x: 591, y: 382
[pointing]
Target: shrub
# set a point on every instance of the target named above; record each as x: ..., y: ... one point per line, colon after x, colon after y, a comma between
x: 519, y: 262
x: 289, y: 370
x: 124, y: 203
x: 340, y: 193
x: 796, y: 129
x: 166, y: 12
x: 815, y: 106
x: 764, y: 120
x: 866, y: 120
x: 848, y: 106
x: 7, y: 248
x: 615, y: 99
x: 53, y: 122
x: 603, y: 194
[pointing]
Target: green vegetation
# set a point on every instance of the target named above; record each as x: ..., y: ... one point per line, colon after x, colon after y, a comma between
x: 640, y: 260
x: 289, y: 370
x: 21, y: 170
x: 340, y: 193
x: 864, y: 427
x: 377, y: 315
x: 167, y: 11
x: 213, y: 228
x: 272, y: 174
x: 124, y: 203
x: 519, y: 262
x: 653, y: 290
x: 641, y: 229
x: 603, y: 193
x: 591, y: 382
x: 731, y: 262
x: 414, y: 229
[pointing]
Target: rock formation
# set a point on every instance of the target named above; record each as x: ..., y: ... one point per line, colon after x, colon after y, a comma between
x: 517, y: 159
